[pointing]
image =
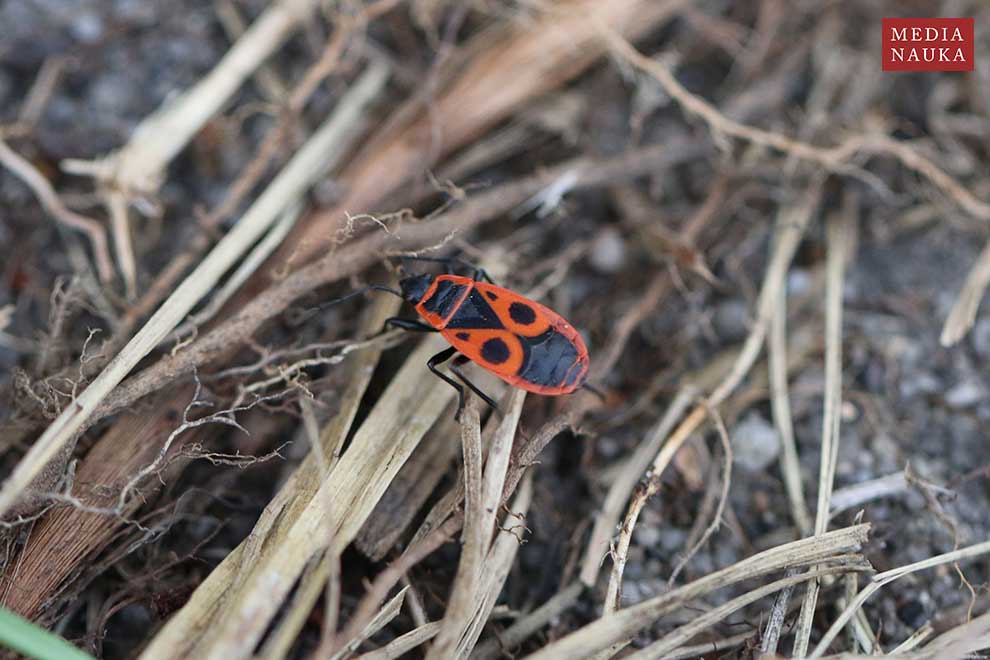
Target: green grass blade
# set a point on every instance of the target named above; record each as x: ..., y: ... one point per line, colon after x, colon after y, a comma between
x: 21, y: 635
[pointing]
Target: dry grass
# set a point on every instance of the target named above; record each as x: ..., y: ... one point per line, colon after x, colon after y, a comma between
x: 380, y: 527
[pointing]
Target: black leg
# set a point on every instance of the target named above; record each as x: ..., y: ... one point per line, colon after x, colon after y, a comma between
x: 408, y: 324
x: 440, y: 358
x: 460, y: 360
x: 594, y: 390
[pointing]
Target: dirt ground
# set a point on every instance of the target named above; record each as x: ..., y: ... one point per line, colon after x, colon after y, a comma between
x: 774, y: 251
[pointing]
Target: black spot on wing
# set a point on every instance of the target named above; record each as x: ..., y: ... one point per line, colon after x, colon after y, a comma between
x: 443, y: 299
x: 463, y: 336
x: 522, y: 313
x: 495, y: 351
x: 491, y: 295
x: 475, y: 313
x: 548, y: 358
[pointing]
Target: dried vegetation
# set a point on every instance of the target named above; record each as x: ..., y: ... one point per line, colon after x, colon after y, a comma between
x: 772, y: 249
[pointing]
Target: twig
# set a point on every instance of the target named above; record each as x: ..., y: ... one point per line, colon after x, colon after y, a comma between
x: 623, y: 624
x: 882, y: 579
x: 963, y: 313
x: 138, y: 167
x: 116, y: 203
x: 780, y: 405
x: 363, y: 252
x: 832, y: 159
x: 480, y: 512
x: 50, y: 201
x: 841, y: 227
x: 400, y: 646
x: 856, y: 495
x: 775, y: 621
x: 723, y: 497
x: 660, y: 649
x: 526, y: 626
x: 624, y: 484
x: 284, y: 190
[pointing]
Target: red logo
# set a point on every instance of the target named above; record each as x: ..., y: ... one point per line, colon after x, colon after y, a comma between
x: 928, y: 44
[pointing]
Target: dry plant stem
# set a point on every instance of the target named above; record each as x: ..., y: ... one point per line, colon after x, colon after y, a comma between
x: 792, y: 222
x: 338, y: 509
x: 283, y: 191
x: 252, y: 262
x: 519, y: 631
x: 699, y: 650
x: 839, y: 234
x: 366, y: 251
x: 623, y: 624
x: 400, y: 646
x: 775, y: 621
x: 384, y: 616
x: 780, y: 405
x: 624, y: 484
x: 789, y: 231
x: 321, y: 578
x: 505, y: 69
x: 963, y: 313
x: 387, y: 579
x: 185, y: 627
x: 116, y: 203
x: 475, y: 536
x: 856, y: 495
x: 915, y: 640
x: 723, y: 436
x: 499, y: 562
x: 619, y: 556
x: 831, y: 158
x: 251, y: 174
x: 882, y: 579
x: 138, y: 168
x: 49, y: 200
x: 480, y: 515
x: 662, y: 648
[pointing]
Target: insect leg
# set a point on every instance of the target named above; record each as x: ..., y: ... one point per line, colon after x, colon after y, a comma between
x: 460, y: 360
x: 408, y: 324
x: 440, y: 358
x: 594, y: 390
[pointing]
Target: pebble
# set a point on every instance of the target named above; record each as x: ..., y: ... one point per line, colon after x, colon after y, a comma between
x: 965, y: 394
x: 755, y: 443
x: 87, y: 26
x: 608, y: 254
x: 647, y: 535
x: 732, y: 319
x: 672, y: 539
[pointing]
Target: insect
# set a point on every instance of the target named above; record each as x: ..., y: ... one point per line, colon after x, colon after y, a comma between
x: 524, y: 343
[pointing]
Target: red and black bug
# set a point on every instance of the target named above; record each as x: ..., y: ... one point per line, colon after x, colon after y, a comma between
x: 524, y: 343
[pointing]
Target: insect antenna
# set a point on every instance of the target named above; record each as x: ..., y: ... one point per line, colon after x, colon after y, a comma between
x: 311, y: 311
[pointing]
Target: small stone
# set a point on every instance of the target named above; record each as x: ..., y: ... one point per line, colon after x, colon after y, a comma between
x: 732, y: 319
x: 755, y: 443
x: 646, y: 535
x: 921, y: 383
x: 966, y: 394
x: 798, y: 282
x: 672, y: 539
x: 87, y: 27
x: 608, y: 254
